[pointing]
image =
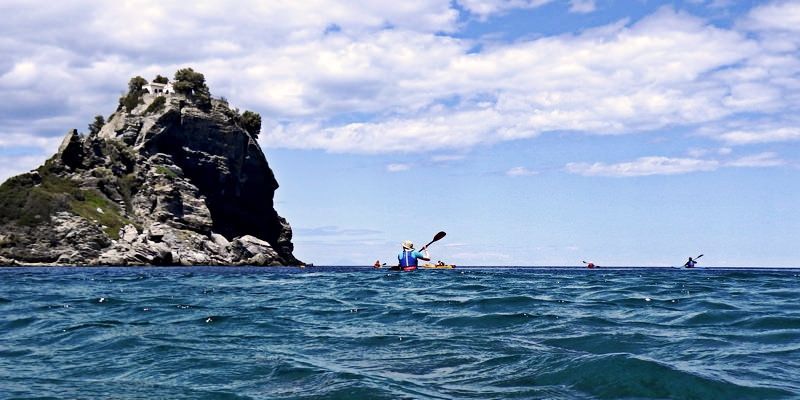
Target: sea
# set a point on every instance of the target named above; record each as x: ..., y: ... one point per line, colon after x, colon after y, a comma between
x: 360, y: 333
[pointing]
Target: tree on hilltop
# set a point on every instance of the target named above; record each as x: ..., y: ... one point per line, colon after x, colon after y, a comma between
x: 251, y: 122
x: 135, y: 92
x: 192, y: 84
x: 94, y: 127
x: 161, y: 79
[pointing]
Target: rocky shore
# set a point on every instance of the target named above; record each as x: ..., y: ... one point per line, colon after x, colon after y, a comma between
x: 173, y: 177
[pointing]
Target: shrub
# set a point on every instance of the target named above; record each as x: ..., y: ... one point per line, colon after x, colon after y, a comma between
x: 251, y: 122
x: 135, y: 92
x: 156, y: 105
x: 166, y: 171
x: 30, y: 200
x: 193, y: 84
x: 94, y: 127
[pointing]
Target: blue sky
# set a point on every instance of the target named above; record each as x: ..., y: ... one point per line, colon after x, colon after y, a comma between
x: 534, y: 132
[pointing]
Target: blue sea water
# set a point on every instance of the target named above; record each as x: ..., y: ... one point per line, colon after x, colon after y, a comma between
x: 358, y: 333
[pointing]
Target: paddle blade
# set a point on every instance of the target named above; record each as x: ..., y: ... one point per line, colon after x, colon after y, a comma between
x: 438, y: 236
x: 698, y: 256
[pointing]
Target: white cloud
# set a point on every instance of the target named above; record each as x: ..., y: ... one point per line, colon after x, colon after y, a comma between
x: 761, y: 160
x: 644, y: 166
x: 521, y: 171
x: 441, y: 158
x: 46, y: 145
x: 582, y: 6
x: 647, y: 166
x: 775, y: 16
x: 485, y: 8
x: 669, y: 69
x: 373, y: 76
x: 14, y: 165
x: 398, y: 167
x: 741, y: 137
x: 697, y: 152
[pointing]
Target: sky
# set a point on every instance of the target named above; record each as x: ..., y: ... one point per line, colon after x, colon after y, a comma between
x: 534, y: 132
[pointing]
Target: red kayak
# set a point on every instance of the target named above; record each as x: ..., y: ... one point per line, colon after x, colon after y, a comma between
x: 406, y: 269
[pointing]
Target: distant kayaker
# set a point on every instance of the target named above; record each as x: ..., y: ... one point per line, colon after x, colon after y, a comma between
x: 377, y: 264
x: 690, y: 264
x: 408, y: 257
x: 440, y: 263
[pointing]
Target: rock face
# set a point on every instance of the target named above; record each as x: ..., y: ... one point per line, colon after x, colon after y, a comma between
x: 173, y: 181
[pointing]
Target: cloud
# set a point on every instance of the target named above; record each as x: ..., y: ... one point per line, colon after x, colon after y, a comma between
x: 521, y: 171
x: 668, y: 69
x: 761, y: 135
x: 486, y: 8
x: 644, y: 166
x: 648, y: 166
x: 14, y: 165
x: 761, y: 160
x: 372, y: 77
x: 441, y: 158
x: 582, y: 6
x: 398, y: 167
x: 775, y: 16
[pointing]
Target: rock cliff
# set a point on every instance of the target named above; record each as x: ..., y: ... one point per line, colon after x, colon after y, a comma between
x: 172, y: 178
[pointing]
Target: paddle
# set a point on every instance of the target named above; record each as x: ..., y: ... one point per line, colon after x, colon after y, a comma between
x: 436, y: 238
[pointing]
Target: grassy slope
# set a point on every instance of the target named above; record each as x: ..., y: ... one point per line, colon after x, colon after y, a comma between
x: 24, y: 200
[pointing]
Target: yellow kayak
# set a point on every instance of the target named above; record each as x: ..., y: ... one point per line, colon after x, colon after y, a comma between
x: 436, y: 266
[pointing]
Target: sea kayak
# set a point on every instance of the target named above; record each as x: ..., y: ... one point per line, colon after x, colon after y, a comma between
x: 405, y: 269
x: 435, y: 266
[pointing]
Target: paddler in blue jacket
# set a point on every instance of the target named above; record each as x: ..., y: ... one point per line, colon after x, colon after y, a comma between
x: 408, y: 257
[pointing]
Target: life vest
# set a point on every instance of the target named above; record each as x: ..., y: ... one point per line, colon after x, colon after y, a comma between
x: 407, y: 259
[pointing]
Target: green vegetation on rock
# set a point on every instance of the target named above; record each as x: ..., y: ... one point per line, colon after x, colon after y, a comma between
x: 93, y: 206
x: 156, y: 105
x: 33, y: 198
x: 193, y: 85
x: 251, y: 122
x: 135, y: 92
x: 166, y: 171
x: 96, y: 125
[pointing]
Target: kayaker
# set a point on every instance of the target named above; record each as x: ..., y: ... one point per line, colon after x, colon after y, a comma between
x: 377, y: 264
x: 690, y: 264
x: 440, y: 263
x: 408, y: 257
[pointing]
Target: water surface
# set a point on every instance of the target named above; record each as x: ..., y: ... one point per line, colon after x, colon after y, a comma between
x: 475, y: 333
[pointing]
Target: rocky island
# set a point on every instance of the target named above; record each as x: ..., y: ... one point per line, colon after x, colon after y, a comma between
x: 172, y: 177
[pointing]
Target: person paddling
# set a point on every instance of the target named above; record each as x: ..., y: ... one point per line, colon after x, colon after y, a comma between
x: 691, y: 263
x: 407, y: 259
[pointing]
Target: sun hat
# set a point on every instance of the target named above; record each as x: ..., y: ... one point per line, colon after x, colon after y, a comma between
x: 408, y: 245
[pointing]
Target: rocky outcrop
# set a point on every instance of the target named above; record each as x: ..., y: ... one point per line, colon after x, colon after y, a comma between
x: 174, y: 181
